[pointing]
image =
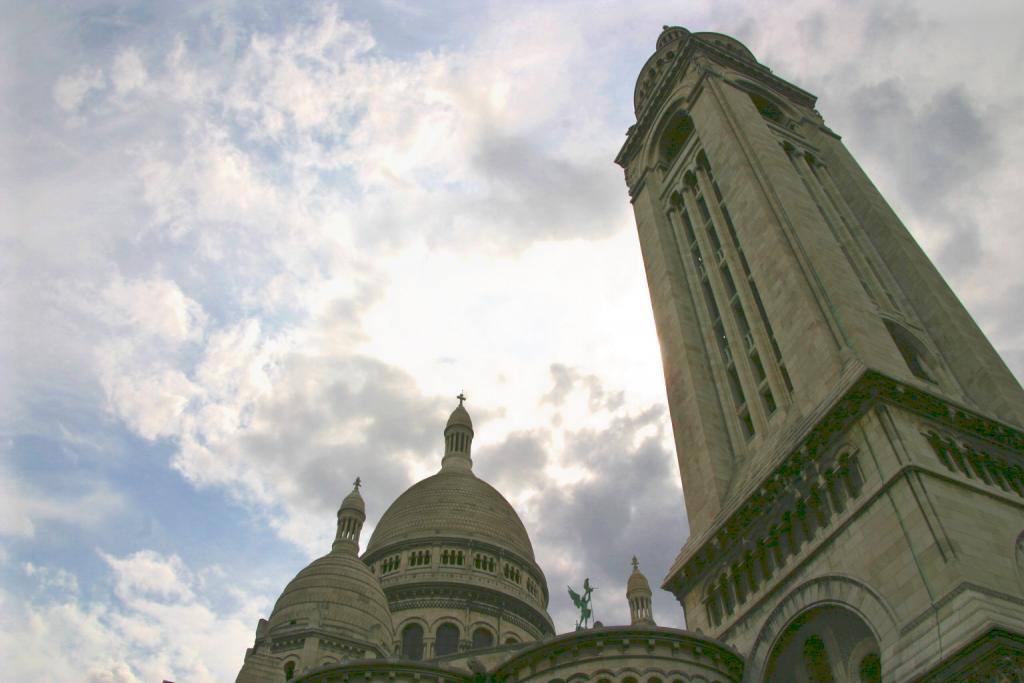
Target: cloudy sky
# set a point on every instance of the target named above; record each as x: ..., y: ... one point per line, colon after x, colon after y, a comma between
x: 253, y: 250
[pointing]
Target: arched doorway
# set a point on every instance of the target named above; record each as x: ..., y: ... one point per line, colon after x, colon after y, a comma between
x: 826, y: 644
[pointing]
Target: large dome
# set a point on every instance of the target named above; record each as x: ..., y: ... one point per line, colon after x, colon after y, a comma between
x: 452, y: 503
x: 336, y: 593
x: 451, y: 552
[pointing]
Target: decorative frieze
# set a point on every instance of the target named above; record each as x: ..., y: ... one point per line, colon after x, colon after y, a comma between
x: 979, y: 464
x: 810, y: 464
x: 793, y: 524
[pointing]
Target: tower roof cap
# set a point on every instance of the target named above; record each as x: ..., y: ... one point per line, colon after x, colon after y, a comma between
x: 637, y: 581
x: 354, y: 501
x: 459, y: 416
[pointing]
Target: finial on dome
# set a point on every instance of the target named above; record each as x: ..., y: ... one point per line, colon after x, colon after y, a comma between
x: 458, y: 438
x: 638, y: 594
x: 351, y: 516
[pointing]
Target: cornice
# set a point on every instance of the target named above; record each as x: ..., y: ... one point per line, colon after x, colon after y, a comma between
x: 446, y: 595
x: 683, y: 645
x: 531, y: 567
x: 866, y: 389
x: 391, y: 669
x: 296, y: 638
x: 993, y: 654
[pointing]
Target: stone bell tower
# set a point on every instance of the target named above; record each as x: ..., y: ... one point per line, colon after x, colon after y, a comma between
x: 849, y: 441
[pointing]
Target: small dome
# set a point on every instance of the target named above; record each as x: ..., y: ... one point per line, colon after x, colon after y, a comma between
x: 637, y: 581
x: 452, y: 503
x: 459, y: 416
x: 354, y: 501
x: 337, y: 593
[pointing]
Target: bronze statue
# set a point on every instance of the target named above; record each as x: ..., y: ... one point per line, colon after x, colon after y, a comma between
x: 583, y: 604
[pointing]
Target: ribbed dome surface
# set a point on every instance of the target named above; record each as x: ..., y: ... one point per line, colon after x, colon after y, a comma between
x: 354, y: 501
x: 452, y: 503
x: 637, y: 582
x: 337, y: 591
x: 459, y: 416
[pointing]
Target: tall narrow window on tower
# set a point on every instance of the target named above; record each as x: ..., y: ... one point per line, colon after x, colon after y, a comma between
x: 677, y: 132
x: 750, y: 354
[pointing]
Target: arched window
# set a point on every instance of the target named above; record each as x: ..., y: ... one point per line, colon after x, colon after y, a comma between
x: 482, y: 638
x: 511, y: 640
x: 767, y: 109
x: 412, y: 642
x: 914, y: 353
x: 446, y: 641
x: 289, y: 671
x: 677, y: 133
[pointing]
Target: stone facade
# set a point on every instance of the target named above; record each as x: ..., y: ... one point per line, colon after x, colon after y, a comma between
x: 847, y: 437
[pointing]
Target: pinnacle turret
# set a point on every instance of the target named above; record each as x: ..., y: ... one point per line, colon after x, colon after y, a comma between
x: 638, y: 593
x: 458, y: 438
x: 351, y: 516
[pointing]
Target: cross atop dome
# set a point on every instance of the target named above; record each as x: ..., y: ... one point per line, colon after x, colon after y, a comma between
x: 461, y: 397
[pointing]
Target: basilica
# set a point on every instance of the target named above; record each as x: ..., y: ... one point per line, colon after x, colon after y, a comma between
x: 447, y: 589
x: 850, y: 445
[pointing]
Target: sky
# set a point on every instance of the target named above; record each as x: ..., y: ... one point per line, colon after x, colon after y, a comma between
x: 252, y: 250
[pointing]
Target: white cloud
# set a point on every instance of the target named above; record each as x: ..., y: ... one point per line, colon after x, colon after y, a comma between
x: 147, y: 575
x: 71, y: 90
x: 50, y: 578
x: 23, y: 506
x: 153, y: 308
x: 163, y: 625
x: 128, y: 72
